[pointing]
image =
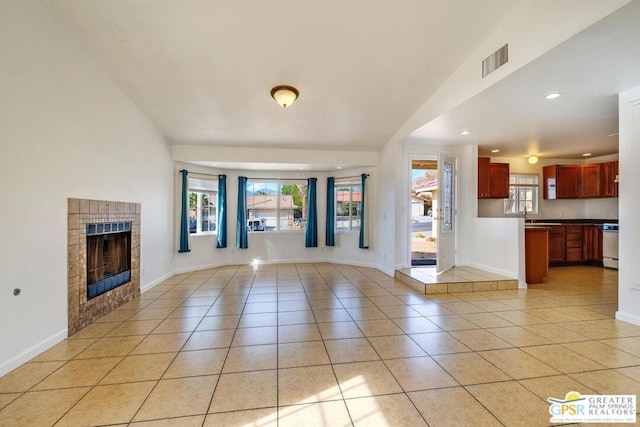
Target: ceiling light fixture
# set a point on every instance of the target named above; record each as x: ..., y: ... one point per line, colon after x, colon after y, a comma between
x: 284, y: 95
x: 495, y: 151
x: 552, y: 95
x: 532, y: 160
x: 613, y: 134
x: 465, y: 132
x: 586, y: 154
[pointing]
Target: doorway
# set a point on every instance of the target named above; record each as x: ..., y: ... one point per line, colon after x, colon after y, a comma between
x: 423, y: 234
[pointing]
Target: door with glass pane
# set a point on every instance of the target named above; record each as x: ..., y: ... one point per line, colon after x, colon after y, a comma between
x: 445, y: 219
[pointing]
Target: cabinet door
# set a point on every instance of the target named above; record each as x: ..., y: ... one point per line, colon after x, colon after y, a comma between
x: 609, y: 173
x: 483, y: 177
x: 568, y: 181
x: 556, y: 244
x: 591, y: 180
x: 588, y: 241
x: 499, y: 180
x: 597, y: 244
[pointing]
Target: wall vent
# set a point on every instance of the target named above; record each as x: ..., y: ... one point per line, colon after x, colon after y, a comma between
x: 496, y: 60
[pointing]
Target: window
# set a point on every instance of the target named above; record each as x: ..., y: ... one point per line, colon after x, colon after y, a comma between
x: 348, y: 206
x: 203, y: 209
x: 523, y: 194
x: 276, y: 205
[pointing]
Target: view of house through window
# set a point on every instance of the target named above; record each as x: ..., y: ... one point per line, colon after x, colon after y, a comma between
x: 523, y: 194
x: 348, y: 206
x: 203, y: 211
x: 276, y: 205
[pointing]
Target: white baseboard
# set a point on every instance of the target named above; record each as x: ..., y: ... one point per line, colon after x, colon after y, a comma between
x: 147, y: 286
x: 32, y: 352
x: 509, y: 274
x: 627, y: 317
x: 197, y: 268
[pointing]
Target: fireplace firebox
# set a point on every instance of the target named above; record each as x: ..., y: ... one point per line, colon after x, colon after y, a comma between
x: 108, y: 257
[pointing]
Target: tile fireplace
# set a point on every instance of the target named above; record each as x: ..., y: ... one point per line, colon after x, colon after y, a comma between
x: 103, y: 259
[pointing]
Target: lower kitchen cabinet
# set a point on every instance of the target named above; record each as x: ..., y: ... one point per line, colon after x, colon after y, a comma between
x: 556, y: 244
x: 573, y: 243
x: 536, y: 242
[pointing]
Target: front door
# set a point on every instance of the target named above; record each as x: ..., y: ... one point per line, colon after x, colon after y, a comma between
x: 444, y: 220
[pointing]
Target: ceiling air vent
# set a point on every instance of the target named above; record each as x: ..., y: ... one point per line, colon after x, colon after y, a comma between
x: 496, y: 60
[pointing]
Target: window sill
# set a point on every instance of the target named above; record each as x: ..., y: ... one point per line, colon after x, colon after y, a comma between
x: 203, y: 234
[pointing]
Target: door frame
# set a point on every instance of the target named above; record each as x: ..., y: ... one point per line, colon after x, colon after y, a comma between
x: 433, y: 155
x: 407, y: 231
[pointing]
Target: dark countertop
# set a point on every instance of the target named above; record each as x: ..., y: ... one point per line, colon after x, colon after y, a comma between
x: 572, y: 221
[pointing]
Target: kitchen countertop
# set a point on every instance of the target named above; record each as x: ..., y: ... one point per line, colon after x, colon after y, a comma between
x: 552, y: 222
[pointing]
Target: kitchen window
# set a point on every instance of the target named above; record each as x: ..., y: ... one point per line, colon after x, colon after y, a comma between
x: 203, y: 209
x: 278, y: 205
x: 523, y: 194
x: 348, y: 206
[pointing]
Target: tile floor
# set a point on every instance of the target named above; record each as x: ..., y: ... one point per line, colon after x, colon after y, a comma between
x: 331, y: 345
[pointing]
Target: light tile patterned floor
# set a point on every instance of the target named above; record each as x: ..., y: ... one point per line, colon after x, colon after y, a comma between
x: 331, y: 345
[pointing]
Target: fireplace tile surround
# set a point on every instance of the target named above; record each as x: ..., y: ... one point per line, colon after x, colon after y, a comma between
x: 81, y: 212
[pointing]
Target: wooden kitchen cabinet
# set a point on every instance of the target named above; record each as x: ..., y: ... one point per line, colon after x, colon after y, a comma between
x: 597, y: 244
x: 556, y: 244
x: 609, y: 174
x: 591, y: 180
x: 493, y: 179
x: 573, y: 243
x: 536, y: 247
x: 588, y: 242
x: 561, y: 182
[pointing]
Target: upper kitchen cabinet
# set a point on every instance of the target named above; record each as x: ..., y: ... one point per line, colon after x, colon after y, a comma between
x: 610, y: 172
x: 493, y: 179
x: 561, y: 182
x: 594, y: 180
x: 591, y: 180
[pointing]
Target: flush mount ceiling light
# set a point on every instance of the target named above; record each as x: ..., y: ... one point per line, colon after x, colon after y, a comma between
x: 465, y: 132
x: 284, y: 95
x: 495, y: 151
x: 532, y: 160
x: 552, y: 95
x: 586, y: 154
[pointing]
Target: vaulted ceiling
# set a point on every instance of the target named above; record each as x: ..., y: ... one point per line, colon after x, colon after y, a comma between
x: 202, y: 70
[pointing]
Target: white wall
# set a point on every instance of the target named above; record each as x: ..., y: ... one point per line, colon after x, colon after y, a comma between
x: 493, y: 245
x: 282, y: 246
x: 629, y: 251
x: 66, y: 130
x: 605, y: 208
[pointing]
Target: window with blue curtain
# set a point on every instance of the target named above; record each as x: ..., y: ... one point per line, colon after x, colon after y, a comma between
x: 330, y: 234
x: 311, y: 232
x: 184, y: 221
x: 222, y: 211
x: 364, y: 235
x: 241, y: 225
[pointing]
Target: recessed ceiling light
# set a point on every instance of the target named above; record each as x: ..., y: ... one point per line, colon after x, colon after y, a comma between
x: 495, y: 151
x: 552, y: 95
x: 586, y: 154
x: 465, y: 132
